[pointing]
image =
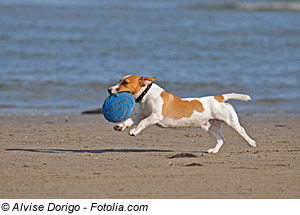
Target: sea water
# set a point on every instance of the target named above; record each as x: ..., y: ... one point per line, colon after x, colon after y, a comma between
x: 60, y: 56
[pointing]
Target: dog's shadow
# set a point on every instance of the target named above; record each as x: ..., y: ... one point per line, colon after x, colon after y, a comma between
x: 99, y: 151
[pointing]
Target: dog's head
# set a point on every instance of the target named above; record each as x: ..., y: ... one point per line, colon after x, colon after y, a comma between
x: 131, y: 84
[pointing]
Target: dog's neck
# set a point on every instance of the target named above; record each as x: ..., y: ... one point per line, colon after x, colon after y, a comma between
x: 141, y: 94
x: 154, y: 87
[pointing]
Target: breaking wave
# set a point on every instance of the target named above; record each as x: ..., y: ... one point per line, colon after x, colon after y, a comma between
x: 265, y: 6
x: 251, y: 6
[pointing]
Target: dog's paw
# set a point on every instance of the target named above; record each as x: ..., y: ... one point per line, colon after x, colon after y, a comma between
x: 252, y: 143
x: 119, y: 127
x: 212, y: 151
x: 133, y: 132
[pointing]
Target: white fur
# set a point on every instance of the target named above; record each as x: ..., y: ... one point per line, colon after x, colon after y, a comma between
x: 211, y: 119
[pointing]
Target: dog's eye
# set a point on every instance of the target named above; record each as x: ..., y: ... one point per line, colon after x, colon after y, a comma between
x: 124, y: 83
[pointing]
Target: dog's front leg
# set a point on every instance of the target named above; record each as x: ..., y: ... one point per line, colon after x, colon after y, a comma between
x: 151, y: 120
x: 129, y: 122
x: 122, y: 126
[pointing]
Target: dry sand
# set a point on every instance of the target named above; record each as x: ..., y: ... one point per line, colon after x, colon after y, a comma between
x: 81, y: 156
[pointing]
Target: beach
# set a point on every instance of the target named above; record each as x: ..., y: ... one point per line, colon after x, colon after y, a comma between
x: 58, y: 58
x: 81, y: 156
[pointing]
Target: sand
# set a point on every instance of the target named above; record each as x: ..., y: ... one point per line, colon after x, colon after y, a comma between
x: 81, y: 156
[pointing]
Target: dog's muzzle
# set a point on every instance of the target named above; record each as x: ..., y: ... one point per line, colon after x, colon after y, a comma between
x: 110, y: 91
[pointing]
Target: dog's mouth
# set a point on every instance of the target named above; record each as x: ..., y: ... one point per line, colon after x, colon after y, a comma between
x: 111, y: 91
x: 125, y: 92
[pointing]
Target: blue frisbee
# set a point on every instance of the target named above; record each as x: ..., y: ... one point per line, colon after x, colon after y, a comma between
x: 118, y: 107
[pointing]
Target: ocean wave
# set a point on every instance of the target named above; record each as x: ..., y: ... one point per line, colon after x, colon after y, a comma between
x: 36, y: 107
x: 294, y: 6
x: 275, y: 100
x: 23, y: 54
x: 253, y: 6
x: 153, y: 5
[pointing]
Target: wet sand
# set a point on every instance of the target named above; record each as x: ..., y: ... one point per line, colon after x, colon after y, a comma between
x: 81, y: 156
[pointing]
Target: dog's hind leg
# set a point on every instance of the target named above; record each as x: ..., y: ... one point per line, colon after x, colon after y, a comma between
x: 233, y: 121
x: 215, y: 131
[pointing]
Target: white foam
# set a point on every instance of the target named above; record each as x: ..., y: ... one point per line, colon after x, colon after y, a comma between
x: 270, y: 6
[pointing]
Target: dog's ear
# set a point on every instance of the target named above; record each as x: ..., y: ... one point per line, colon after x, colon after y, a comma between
x: 146, y: 81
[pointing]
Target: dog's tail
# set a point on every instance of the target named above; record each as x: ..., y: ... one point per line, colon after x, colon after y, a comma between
x: 236, y: 96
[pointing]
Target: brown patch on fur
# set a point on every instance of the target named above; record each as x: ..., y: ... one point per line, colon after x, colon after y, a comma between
x: 145, y: 80
x: 176, y: 108
x: 133, y: 84
x: 220, y: 98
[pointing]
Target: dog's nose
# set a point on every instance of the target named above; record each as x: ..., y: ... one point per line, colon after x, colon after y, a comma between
x: 109, y: 90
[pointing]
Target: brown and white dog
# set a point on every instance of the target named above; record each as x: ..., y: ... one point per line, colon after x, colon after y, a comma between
x: 158, y: 107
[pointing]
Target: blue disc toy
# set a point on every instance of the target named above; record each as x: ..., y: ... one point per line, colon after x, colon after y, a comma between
x: 118, y: 107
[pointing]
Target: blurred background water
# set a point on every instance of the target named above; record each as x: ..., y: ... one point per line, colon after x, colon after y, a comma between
x: 60, y: 56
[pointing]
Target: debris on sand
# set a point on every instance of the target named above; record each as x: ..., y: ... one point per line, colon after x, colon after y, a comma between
x: 183, y: 155
x: 193, y: 164
x: 93, y: 111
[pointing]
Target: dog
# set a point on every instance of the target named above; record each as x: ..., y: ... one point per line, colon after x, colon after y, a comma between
x: 158, y: 107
